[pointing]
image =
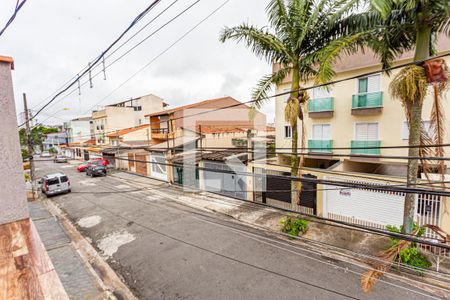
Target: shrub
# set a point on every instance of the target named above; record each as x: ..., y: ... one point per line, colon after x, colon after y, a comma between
x: 293, y: 226
x: 410, y: 256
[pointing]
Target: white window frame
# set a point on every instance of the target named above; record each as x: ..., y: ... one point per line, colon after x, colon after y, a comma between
x: 374, y: 75
x: 321, y: 124
x: 284, y: 132
x: 405, y: 129
x: 378, y: 131
x: 329, y: 94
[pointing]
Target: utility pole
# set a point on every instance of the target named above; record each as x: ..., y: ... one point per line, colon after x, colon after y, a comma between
x: 29, y: 142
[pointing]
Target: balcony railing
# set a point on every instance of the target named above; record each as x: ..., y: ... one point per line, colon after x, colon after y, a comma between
x: 162, y: 133
x: 320, y: 146
x: 367, y: 100
x: 160, y: 130
x: 366, y: 147
x: 321, y: 105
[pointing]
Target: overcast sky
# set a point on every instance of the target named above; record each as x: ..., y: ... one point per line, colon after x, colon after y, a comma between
x: 51, y: 41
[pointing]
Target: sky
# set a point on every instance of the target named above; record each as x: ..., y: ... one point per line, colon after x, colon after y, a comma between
x: 51, y: 41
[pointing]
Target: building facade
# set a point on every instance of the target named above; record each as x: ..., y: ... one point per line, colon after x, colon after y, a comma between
x: 78, y: 129
x: 123, y: 115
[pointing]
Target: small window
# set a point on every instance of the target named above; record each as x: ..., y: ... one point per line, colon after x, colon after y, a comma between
x: 52, y: 181
x: 321, y: 132
x: 137, y: 108
x: 370, y: 84
x: 426, y: 126
x: 287, y: 132
x: 63, y: 179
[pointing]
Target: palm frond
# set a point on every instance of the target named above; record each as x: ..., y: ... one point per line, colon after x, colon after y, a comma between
x: 409, y: 85
x: 261, y: 42
x: 437, y: 121
x: 259, y: 94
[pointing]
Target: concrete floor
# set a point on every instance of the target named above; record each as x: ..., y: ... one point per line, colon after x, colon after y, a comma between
x: 165, y: 250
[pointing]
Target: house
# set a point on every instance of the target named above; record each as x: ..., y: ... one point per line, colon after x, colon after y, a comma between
x: 214, y: 122
x: 123, y: 115
x: 79, y: 129
x: 54, y: 140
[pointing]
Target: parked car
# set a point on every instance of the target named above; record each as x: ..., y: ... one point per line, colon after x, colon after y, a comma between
x: 45, y: 154
x: 54, y: 184
x: 60, y: 159
x: 86, y: 164
x: 96, y: 170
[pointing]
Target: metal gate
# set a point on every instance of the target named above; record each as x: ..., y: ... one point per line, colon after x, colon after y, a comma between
x: 308, y: 195
x: 229, y: 183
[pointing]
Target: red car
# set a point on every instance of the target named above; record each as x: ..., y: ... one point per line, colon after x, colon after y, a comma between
x: 85, y: 165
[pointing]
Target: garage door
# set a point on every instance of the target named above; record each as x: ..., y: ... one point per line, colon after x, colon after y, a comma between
x: 130, y: 161
x: 159, y: 168
x: 141, y: 164
x: 363, y: 206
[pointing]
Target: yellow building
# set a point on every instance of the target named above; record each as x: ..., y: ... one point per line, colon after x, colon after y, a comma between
x: 355, y: 113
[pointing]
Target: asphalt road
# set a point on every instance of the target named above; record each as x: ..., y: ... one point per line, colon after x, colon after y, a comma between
x: 165, y: 250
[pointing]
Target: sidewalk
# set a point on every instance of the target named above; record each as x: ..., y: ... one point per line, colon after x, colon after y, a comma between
x: 77, y: 279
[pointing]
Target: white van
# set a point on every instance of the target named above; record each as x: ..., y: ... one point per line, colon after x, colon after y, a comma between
x: 53, y: 184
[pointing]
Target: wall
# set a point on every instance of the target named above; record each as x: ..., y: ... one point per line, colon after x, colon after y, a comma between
x: 13, y: 201
x: 79, y: 131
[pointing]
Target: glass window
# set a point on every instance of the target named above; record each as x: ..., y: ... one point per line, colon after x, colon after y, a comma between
x: 321, y: 132
x: 63, y: 179
x: 366, y: 132
x: 287, y: 132
x: 52, y: 181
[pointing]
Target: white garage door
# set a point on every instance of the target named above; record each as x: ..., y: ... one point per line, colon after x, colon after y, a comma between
x: 159, y: 168
x: 363, y: 206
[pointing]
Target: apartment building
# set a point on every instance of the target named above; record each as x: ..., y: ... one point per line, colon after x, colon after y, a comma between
x: 79, y: 129
x: 359, y: 114
x: 125, y: 114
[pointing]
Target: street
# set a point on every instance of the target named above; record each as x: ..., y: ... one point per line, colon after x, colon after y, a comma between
x: 165, y: 250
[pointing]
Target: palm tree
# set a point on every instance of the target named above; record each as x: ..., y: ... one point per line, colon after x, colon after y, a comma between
x: 304, y: 40
x: 401, y: 26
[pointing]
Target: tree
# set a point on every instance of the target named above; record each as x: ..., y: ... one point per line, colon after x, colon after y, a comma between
x: 304, y: 40
x: 401, y: 26
x: 37, y: 135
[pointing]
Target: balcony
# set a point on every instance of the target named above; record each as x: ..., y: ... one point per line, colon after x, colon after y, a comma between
x: 321, y: 146
x: 366, y: 147
x: 162, y: 134
x: 367, y: 104
x: 321, y: 107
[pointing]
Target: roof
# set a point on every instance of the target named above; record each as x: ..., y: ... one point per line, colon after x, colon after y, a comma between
x: 128, y: 130
x: 193, y: 105
x: 90, y: 142
x: 213, y: 129
x: 93, y: 149
x: 7, y: 59
x: 53, y: 175
x: 82, y: 119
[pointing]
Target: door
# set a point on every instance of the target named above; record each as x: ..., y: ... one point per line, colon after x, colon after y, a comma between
x: 370, y: 84
x: 141, y: 164
x: 86, y: 155
x: 308, y: 195
x: 131, y: 161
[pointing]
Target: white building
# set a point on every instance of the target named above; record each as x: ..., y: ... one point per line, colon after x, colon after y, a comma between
x: 78, y: 130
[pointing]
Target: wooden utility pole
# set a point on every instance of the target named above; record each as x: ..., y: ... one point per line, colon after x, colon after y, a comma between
x: 29, y: 142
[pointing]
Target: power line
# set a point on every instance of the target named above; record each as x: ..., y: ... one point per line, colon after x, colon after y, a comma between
x: 11, y: 19
x: 132, y: 24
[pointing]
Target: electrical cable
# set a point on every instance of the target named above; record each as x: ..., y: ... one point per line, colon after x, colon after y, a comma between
x: 11, y: 19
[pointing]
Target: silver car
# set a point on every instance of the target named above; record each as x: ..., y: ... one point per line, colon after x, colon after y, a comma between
x: 53, y: 184
x: 60, y: 159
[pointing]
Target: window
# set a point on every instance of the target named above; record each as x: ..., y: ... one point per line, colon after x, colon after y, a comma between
x: 137, y: 108
x: 115, y: 143
x: 286, y: 97
x: 321, y: 132
x: 366, y: 132
x: 320, y: 92
x: 287, y: 132
x: 426, y: 126
x: 102, y: 127
x: 369, y: 84
x: 52, y: 181
x: 63, y: 179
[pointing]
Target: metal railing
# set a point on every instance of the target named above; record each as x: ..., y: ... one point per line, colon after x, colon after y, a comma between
x: 321, y: 104
x: 367, y: 100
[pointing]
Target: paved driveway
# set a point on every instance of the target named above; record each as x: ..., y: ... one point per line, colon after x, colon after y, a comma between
x: 165, y: 250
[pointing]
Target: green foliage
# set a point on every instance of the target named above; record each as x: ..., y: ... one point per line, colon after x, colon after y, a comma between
x: 410, y: 256
x: 25, y: 154
x: 53, y: 150
x: 37, y: 135
x: 293, y: 226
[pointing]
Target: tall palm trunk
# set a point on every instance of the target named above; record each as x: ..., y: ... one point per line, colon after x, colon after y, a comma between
x: 295, y: 86
x: 415, y: 124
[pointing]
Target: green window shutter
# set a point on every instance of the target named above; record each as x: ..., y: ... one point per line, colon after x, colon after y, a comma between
x: 362, y: 85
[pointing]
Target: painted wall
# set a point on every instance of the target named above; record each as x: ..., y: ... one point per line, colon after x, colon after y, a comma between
x: 13, y: 201
x: 78, y: 130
